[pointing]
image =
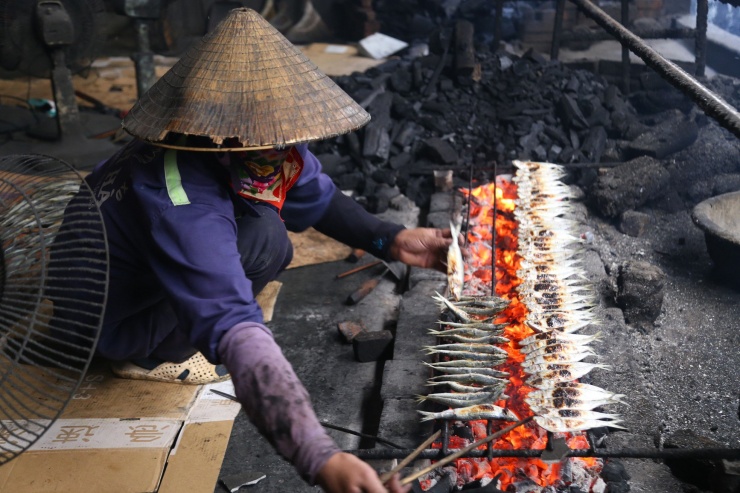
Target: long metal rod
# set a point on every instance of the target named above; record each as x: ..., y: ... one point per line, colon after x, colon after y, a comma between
x: 493, y: 232
x: 626, y: 65
x: 625, y: 453
x: 497, y: 34
x: 702, y: 17
x: 715, y: 107
x: 642, y: 32
x: 557, y: 30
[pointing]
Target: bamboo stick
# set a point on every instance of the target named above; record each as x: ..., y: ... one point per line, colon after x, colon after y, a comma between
x: 385, y: 477
x: 446, y: 460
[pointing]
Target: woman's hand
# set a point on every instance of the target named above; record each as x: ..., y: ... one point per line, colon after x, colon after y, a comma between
x: 422, y: 247
x: 345, y: 473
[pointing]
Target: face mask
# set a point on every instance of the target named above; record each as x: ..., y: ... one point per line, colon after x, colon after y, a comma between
x: 255, y: 171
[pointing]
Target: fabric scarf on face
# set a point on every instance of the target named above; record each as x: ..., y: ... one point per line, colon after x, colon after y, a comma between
x: 265, y: 175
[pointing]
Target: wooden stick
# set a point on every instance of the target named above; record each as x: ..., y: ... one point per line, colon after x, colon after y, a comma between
x: 446, y: 460
x: 385, y: 477
x: 358, y: 269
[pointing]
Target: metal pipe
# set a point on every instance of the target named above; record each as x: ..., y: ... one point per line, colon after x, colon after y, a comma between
x: 644, y: 33
x: 714, y: 106
x: 626, y: 65
x: 557, y: 30
x: 497, y: 34
x: 625, y: 453
x: 702, y: 15
x: 493, y: 232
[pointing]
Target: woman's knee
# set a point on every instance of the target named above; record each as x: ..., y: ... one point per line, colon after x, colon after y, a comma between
x: 264, y: 245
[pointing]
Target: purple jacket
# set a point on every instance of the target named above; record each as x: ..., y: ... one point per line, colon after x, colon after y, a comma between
x: 170, y: 221
x: 171, y: 231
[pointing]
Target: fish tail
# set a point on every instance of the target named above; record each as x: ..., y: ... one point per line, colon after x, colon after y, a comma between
x: 426, y: 415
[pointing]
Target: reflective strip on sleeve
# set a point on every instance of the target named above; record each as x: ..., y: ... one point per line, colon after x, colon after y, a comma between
x: 172, y: 178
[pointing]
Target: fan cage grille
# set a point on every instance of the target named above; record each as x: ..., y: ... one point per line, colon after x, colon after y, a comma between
x: 53, y: 289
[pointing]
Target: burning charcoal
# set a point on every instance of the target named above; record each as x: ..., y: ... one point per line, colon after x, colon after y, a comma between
x: 633, y: 223
x: 446, y: 483
x: 463, y: 431
x: 640, y: 292
x: 525, y: 486
x: 489, y: 488
x: 629, y: 186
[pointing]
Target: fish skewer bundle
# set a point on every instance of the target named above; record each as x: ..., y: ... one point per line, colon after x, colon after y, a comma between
x: 560, y: 303
x: 466, y: 364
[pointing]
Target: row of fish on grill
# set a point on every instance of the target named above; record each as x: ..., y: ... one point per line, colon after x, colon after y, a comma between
x: 559, y: 303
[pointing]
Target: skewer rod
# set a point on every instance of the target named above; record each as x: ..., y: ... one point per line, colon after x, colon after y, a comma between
x: 713, y: 105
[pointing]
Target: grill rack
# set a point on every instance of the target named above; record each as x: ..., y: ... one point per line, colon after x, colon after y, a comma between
x: 491, y: 453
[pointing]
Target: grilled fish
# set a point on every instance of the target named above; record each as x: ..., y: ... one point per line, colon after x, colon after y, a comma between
x: 455, y: 265
x: 482, y: 411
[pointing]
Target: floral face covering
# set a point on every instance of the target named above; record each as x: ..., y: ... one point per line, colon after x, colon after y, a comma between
x: 265, y: 175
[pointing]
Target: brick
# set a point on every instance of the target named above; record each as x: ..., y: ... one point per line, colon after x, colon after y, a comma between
x: 372, y: 346
x: 348, y: 330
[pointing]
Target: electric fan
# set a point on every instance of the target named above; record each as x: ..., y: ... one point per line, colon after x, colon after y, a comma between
x: 53, y: 287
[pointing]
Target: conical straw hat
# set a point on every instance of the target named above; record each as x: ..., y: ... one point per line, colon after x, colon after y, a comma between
x: 246, y: 81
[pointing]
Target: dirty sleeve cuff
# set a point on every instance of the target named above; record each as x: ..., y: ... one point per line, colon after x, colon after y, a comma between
x: 274, y: 399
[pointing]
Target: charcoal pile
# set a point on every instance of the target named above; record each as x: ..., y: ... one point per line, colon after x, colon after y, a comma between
x: 464, y: 109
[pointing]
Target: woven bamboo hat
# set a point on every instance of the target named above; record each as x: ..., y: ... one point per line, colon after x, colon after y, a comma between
x: 245, y: 82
